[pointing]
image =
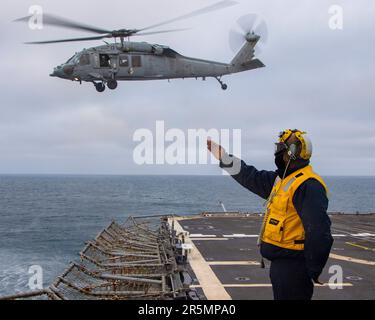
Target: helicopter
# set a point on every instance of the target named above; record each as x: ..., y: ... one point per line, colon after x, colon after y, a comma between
x: 107, y: 64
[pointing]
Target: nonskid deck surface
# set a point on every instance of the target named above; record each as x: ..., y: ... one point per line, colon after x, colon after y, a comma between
x: 225, y: 258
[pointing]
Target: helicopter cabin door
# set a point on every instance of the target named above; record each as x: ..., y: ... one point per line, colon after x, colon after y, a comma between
x: 107, y: 64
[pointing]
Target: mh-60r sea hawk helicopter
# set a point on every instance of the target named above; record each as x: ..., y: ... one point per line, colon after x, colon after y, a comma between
x: 125, y: 61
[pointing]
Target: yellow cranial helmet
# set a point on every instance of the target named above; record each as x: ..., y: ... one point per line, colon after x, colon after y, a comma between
x: 306, y: 145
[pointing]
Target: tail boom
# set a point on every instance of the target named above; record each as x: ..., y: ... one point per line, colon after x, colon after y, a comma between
x: 244, y: 58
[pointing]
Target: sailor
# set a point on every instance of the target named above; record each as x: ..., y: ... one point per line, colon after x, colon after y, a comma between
x: 296, y: 231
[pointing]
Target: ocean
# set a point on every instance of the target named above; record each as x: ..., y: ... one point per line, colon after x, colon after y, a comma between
x: 45, y: 220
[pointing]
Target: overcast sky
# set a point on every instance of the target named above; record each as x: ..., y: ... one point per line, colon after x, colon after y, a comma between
x: 316, y: 79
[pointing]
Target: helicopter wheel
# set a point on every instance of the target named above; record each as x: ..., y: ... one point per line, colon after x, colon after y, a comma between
x: 112, y: 84
x: 100, y: 87
x: 223, y: 85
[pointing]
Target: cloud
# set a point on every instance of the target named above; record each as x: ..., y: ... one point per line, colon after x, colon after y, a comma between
x: 316, y: 79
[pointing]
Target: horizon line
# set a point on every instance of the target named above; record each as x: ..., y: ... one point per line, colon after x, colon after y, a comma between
x: 154, y: 174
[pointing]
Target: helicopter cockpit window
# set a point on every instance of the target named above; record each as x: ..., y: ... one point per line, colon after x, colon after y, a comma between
x: 124, y: 61
x: 75, y: 59
x: 84, y: 60
x: 104, y: 60
x: 70, y: 59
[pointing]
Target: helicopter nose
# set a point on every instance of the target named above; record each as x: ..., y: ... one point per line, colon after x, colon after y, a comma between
x: 55, y: 72
x: 68, y: 69
x: 63, y: 71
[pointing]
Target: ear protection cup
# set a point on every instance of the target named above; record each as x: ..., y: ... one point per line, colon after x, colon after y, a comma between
x: 292, y: 150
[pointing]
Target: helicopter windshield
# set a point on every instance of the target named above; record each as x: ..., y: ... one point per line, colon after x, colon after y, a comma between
x: 70, y: 59
x: 74, y: 59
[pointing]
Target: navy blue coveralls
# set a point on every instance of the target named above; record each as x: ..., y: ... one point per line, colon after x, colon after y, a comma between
x: 292, y: 272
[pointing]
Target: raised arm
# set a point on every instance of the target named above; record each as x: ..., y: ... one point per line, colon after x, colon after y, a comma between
x: 258, y: 182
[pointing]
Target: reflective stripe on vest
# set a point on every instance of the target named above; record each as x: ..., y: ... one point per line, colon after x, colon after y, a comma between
x: 282, y: 224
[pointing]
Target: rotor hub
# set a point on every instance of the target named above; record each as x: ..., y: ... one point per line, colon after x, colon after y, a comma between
x: 251, y: 37
x: 123, y: 33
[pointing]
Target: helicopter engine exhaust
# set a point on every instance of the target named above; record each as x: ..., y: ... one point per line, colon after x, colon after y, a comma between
x: 143, y: 47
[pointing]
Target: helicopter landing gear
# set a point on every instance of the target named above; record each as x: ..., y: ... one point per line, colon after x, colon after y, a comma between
x: 100, y: 87
x: 112, y: 84
x: 223, y: 85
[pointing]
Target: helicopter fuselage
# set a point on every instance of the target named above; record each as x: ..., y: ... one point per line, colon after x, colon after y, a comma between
x: 139, y: 61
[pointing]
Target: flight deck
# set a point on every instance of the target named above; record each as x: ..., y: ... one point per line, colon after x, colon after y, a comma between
x: 225, y: 260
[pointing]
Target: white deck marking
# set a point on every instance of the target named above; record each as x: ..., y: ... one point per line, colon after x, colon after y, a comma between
x: 194, y: 235
x: 364, y: 234
x: 240, y: 235
x: 336, y: 285
x: 350, y: 259
x: 234, y: 263
x: 209, y: 282
x: 209, y: 239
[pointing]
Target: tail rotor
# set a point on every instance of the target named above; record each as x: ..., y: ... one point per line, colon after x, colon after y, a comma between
x: 249, y: 27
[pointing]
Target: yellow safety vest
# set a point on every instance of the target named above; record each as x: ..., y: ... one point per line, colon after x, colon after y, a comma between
x: 282, y: 225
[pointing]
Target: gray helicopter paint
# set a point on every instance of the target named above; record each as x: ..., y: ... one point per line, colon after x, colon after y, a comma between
x: 105, y: 65
x: 156, y: 62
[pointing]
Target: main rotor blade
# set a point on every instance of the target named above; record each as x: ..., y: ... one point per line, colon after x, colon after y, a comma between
x: 217, y: 6
x: 53, y: 20
x: 157, y: 32
x: 71, y: 40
